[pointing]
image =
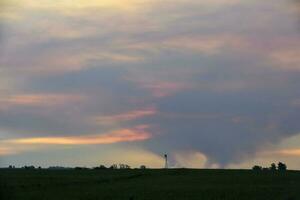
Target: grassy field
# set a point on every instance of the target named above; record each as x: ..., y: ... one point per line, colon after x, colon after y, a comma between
x: 148, y: 184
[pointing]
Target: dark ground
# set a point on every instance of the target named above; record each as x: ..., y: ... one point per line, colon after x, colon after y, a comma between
x: 17, y: 184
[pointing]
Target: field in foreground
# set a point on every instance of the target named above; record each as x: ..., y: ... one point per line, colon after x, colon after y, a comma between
x: 148, y: 184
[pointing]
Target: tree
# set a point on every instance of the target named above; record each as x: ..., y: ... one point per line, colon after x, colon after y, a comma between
x: 124, y: 166
x: 257, y: 168
x: 102, y: 167
x: 114, y: 166
x: 142, y: 167
x: 282, y: 166
x: 81, y: 168
x: 78, y: 168
x: 265, y: 169
x: 273, y: 167
x: 127, y: 167
x: 28, y: 167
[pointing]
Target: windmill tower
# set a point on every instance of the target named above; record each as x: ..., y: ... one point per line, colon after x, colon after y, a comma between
x: 166, y: 161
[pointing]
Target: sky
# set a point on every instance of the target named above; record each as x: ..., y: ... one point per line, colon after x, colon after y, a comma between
x: 212, y: 83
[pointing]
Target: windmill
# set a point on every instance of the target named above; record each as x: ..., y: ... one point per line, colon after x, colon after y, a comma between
x: 166, y: 161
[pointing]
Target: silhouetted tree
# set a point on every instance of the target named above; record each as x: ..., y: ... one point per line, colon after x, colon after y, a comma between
x: 28, y: 167
x: 282, y: 166
x: 273, y: 167
x: 121, y: 166
x: 58, y: 168
x: 78, y: 168
x: 265, y: 169
x: 142, y: 167
x: 257, y: 168
x: 124, y: 166
x: 114, y: 166
x: 100, y: 167
x: 81, y: 168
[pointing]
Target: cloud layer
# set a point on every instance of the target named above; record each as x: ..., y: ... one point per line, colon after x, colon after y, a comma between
x: 216, y: 79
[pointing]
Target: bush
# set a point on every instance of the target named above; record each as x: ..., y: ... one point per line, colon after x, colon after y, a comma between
x: 142, y: 167
x: 282, y: 166
x: 257, y: 168
x: 100, y: 167
x: 273, y: 167
x: 114, y: 166
x: 81, y: 168
x: 28, y: 167
x: 266, y: 169
x: 124, y: 166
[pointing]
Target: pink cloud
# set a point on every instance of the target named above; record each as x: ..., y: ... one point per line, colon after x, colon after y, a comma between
x: 138, y: 133
x: 40, y: 99
x: 164, y: 89
x: 135, y: 114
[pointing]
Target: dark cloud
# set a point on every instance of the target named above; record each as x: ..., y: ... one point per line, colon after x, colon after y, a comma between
x: 226, y: 122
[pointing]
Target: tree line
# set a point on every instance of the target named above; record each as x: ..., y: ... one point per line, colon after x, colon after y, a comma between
x: 100, y: 167
x: 279, y: 167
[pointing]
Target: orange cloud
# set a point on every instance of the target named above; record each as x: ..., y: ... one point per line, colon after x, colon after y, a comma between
x: 6, y: 151
x: 39, y: 99
x: 287, y: 58
x: 67, y: 6
x: 67, y: 60
x: 163, y: 89
x: 210, y: 45
x: 288, y: 152
x: 123, y: 135
x: 125, y: 116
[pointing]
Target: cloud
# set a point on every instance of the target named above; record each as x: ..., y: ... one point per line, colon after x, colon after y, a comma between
x: 163, y: 89
x: 207, y: 44
x: 286, y: 152
x: 66, y: 6
x: 189, y: 159
x: 45, y: 100
x: 135, y: 157
x: 287, y: 59
x: 126, y: 135
x: 129, y: 116
x: 4, y: 151
x: 218, y: 78
x: 81, y: 156
x: 295, y: 9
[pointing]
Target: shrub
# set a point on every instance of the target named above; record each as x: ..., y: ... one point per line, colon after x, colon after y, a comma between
x: 257, y: 168
x: 142, y: 167
x: 124, y: 166
x: 282, y: 166
x: 114, y: 166
x: 273, y: 167
x: 100, y: 167
x: 28, y: 167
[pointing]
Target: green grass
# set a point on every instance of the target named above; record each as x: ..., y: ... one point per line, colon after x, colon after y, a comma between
x: 148, y: 184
